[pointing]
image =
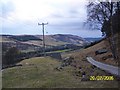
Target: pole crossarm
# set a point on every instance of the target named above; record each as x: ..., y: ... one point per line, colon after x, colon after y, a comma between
x: 43, y: 23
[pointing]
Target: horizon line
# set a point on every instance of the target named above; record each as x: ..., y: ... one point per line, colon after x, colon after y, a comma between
x: 48, y: 34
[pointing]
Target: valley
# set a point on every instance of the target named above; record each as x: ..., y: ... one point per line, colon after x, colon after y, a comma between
x: 60, y: 44
x: 50, y: 72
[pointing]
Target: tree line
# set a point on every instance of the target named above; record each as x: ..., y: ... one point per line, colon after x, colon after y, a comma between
x: 13, y: 55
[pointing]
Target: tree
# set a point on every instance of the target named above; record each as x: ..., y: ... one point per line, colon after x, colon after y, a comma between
x: 11, y: 56
x: 98, y: 12
x: 100, y: 15
x: 115, y: 25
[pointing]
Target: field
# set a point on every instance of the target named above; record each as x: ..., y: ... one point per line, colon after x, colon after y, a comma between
x: 60, y: 51
x: 40, y: 72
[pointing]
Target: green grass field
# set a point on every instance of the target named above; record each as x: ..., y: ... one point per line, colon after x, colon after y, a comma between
x: 60, y: 51
x: 40, y: 72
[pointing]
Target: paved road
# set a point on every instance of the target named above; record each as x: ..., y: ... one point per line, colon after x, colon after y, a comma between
x: 109, y: 68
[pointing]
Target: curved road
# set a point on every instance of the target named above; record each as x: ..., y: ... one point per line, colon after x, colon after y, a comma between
x: 109, y: 68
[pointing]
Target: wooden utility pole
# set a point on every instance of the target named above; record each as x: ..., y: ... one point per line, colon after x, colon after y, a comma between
x: 43, y: 24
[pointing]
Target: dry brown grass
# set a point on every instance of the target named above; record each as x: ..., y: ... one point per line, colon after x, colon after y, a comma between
x: 105, y: 58
x: 40, y: 72
x: 89, y: 69
x: 49, y: 41
x: 89, y: 51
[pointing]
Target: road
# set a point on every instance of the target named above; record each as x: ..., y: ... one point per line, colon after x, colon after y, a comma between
x: 109, y: 68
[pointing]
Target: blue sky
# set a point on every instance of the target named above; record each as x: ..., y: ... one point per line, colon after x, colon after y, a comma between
x: 63, y: 16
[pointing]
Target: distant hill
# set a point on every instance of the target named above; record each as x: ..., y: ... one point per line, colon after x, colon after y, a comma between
x: 58, y: 39
x: 72, y: 39
x: 92, y: 39
x: 50, y: 40
x: 21, y: 38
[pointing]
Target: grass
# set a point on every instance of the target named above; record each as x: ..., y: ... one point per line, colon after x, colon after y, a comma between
x: 48, y: 42
x: 91, y: 52
x: 28, y: 50
x: 59, y: 51
x: 40, y: 72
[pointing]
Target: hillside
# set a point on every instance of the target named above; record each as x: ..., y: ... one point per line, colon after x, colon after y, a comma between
x: 24, y: 38
x: 18, y: 38
x: 41, y: 72
x: 50, y: 40
x: 90, y: 51
x: 72, y: 39
x: 28, y: 43
x: 32, y: 45
x: 60, y: 39
x: 92, y: 39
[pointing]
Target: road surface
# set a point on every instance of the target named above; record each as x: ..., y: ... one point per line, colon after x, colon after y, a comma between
x: 109, y: 68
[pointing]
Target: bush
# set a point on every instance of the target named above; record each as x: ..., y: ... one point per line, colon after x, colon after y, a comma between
x: 10, y: 56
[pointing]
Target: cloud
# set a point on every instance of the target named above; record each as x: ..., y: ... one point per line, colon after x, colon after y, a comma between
x: 38, y: 9
x: 5, y: 10
x: 63, y: 16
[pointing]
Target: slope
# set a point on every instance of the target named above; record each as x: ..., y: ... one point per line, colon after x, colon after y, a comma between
x: 41, y: 73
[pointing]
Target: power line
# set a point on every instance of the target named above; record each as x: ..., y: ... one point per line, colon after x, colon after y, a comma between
x: 43, y: 24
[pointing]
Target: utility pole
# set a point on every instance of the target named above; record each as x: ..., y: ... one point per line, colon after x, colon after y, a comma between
x: 43, y: 24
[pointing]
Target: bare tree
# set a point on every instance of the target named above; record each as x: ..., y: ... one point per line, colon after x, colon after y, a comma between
x: 100, y: 15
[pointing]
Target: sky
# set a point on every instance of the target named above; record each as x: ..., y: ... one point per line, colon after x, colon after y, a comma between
x: 63, y: 16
